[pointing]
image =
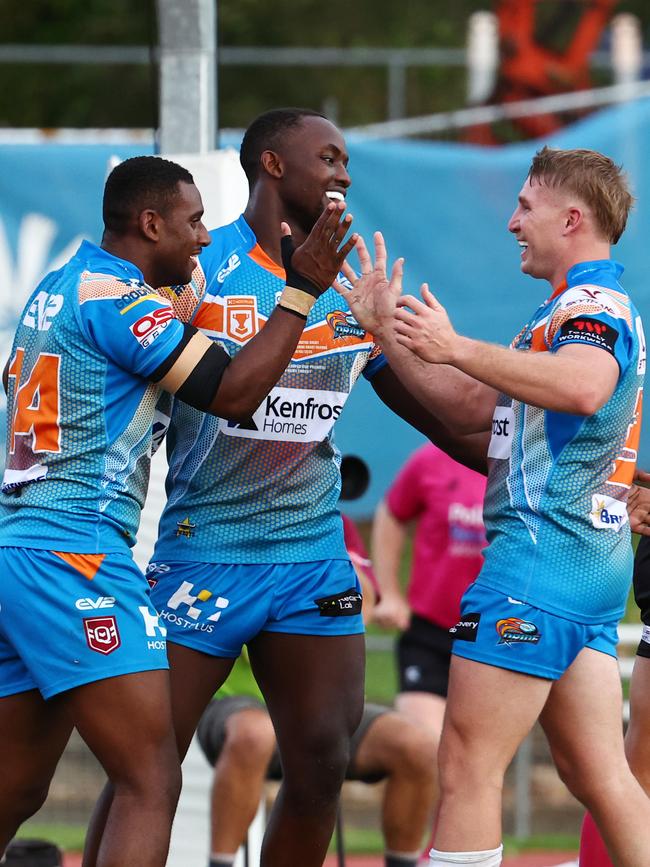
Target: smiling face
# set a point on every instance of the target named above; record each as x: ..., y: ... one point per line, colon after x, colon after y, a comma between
x: 540, y: 223
x: 182, y: 236
x: 314, y: 170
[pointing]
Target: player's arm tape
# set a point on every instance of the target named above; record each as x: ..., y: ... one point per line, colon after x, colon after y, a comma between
x: 296, y: 301
x: 194, y: 370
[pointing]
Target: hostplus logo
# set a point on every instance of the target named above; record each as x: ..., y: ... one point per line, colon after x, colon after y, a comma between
x: 186, y: 609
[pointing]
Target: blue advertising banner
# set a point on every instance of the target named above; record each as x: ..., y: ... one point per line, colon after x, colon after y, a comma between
x: 444, y: 207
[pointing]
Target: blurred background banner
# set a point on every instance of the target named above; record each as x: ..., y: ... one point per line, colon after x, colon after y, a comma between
x: 443, y: 206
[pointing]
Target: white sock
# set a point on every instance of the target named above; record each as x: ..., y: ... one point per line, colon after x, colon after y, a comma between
x: 486, y: 858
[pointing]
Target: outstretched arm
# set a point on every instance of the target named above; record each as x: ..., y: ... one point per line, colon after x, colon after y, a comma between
x: 467, y: 449
x: 575, y: 379
x: 462, y: 403
x: 205, y: 376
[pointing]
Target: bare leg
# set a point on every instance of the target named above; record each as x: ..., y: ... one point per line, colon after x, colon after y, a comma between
x: 489, y: 713
x: 34, y: 734
x: 194, y: 677
x: 239, y: 775
x: 582, y: 721
x: 126, y: 722
x: 407, y: 755
x: 313, y: 687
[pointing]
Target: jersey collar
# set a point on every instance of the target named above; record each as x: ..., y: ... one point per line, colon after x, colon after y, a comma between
x: 97, y: 259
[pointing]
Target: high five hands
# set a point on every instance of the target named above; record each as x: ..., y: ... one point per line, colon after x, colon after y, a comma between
x: 377, y: 304
x: 371, y: 295
x: 424, y: 327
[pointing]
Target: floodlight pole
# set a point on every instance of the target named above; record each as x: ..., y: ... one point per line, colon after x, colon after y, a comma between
x: 188, y: 89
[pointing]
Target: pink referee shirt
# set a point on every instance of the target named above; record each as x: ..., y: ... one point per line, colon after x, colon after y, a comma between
x: 446, y: 501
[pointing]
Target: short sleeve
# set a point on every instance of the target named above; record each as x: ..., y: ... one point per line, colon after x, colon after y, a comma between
x: 136, y: 330
x: 591, y: 316
x: 376, y: 362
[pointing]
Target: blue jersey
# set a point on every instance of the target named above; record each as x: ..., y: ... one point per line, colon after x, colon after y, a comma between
x: 80, y: 409
x: 555, y: 508
x: 264, y: 490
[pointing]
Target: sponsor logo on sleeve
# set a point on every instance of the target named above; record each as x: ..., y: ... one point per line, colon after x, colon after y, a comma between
x: 290, y: 414
x: 590, y: 332
x: 102, y: 634
x: 345, y: 604
x: 503, y: 423
x: 135, y: 294
x: 607, y: 513
x: 467, y: 628
x: 149, y: 327
x: 514, y: 630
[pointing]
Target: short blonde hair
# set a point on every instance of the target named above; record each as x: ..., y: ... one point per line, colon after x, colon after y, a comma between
x: 595, y: 178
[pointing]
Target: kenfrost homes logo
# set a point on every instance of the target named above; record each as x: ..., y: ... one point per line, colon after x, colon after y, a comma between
x: 23, y: 267
x: 607, y: 513
x: 290, y: 414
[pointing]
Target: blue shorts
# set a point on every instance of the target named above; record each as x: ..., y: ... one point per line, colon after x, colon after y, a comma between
x: 70, y: 619
x: 498, y: 630
x: 217, y: 607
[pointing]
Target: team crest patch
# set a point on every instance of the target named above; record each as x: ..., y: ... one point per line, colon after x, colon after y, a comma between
x: 185, y: 528
x: 514, y: 630
x: 102, y: 634
x: 241, y: 317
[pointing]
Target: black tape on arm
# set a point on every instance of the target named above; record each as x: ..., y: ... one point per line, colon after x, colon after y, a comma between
x: 200, y: 387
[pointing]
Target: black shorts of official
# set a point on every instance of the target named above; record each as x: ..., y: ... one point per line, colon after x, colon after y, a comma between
x: 424, y: 657
x: 641, y: 583
x: 211, y: 732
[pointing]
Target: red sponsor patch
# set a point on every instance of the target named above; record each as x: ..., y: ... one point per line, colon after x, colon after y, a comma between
x: 148, y: 327
x: 102, y: 634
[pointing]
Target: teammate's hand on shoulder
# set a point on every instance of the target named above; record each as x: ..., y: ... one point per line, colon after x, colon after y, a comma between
x: 315, y: 264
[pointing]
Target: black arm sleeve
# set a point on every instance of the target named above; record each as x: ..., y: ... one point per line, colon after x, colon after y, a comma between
x: 200, y: 387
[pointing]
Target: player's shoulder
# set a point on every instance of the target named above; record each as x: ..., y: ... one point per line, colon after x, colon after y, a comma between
x: 594, y: 288
x: 228, y: 245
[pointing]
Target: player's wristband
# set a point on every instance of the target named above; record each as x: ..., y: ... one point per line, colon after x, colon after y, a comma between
x: 296, y: 301
x: 294, y: 279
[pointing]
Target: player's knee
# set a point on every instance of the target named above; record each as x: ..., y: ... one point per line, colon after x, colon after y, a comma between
x: 249, y: 739
x: 463, y: 765
x: 25, y: 801
x: 317, y: 761
x: 413, y: 753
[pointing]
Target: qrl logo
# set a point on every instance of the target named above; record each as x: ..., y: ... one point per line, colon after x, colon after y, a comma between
x: 148, y: 327
x: 102, y: 634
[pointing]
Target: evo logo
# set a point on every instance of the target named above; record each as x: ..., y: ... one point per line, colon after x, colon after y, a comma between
x: 88, y: 604
x: 503, y: 423
x: 290, y: 414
